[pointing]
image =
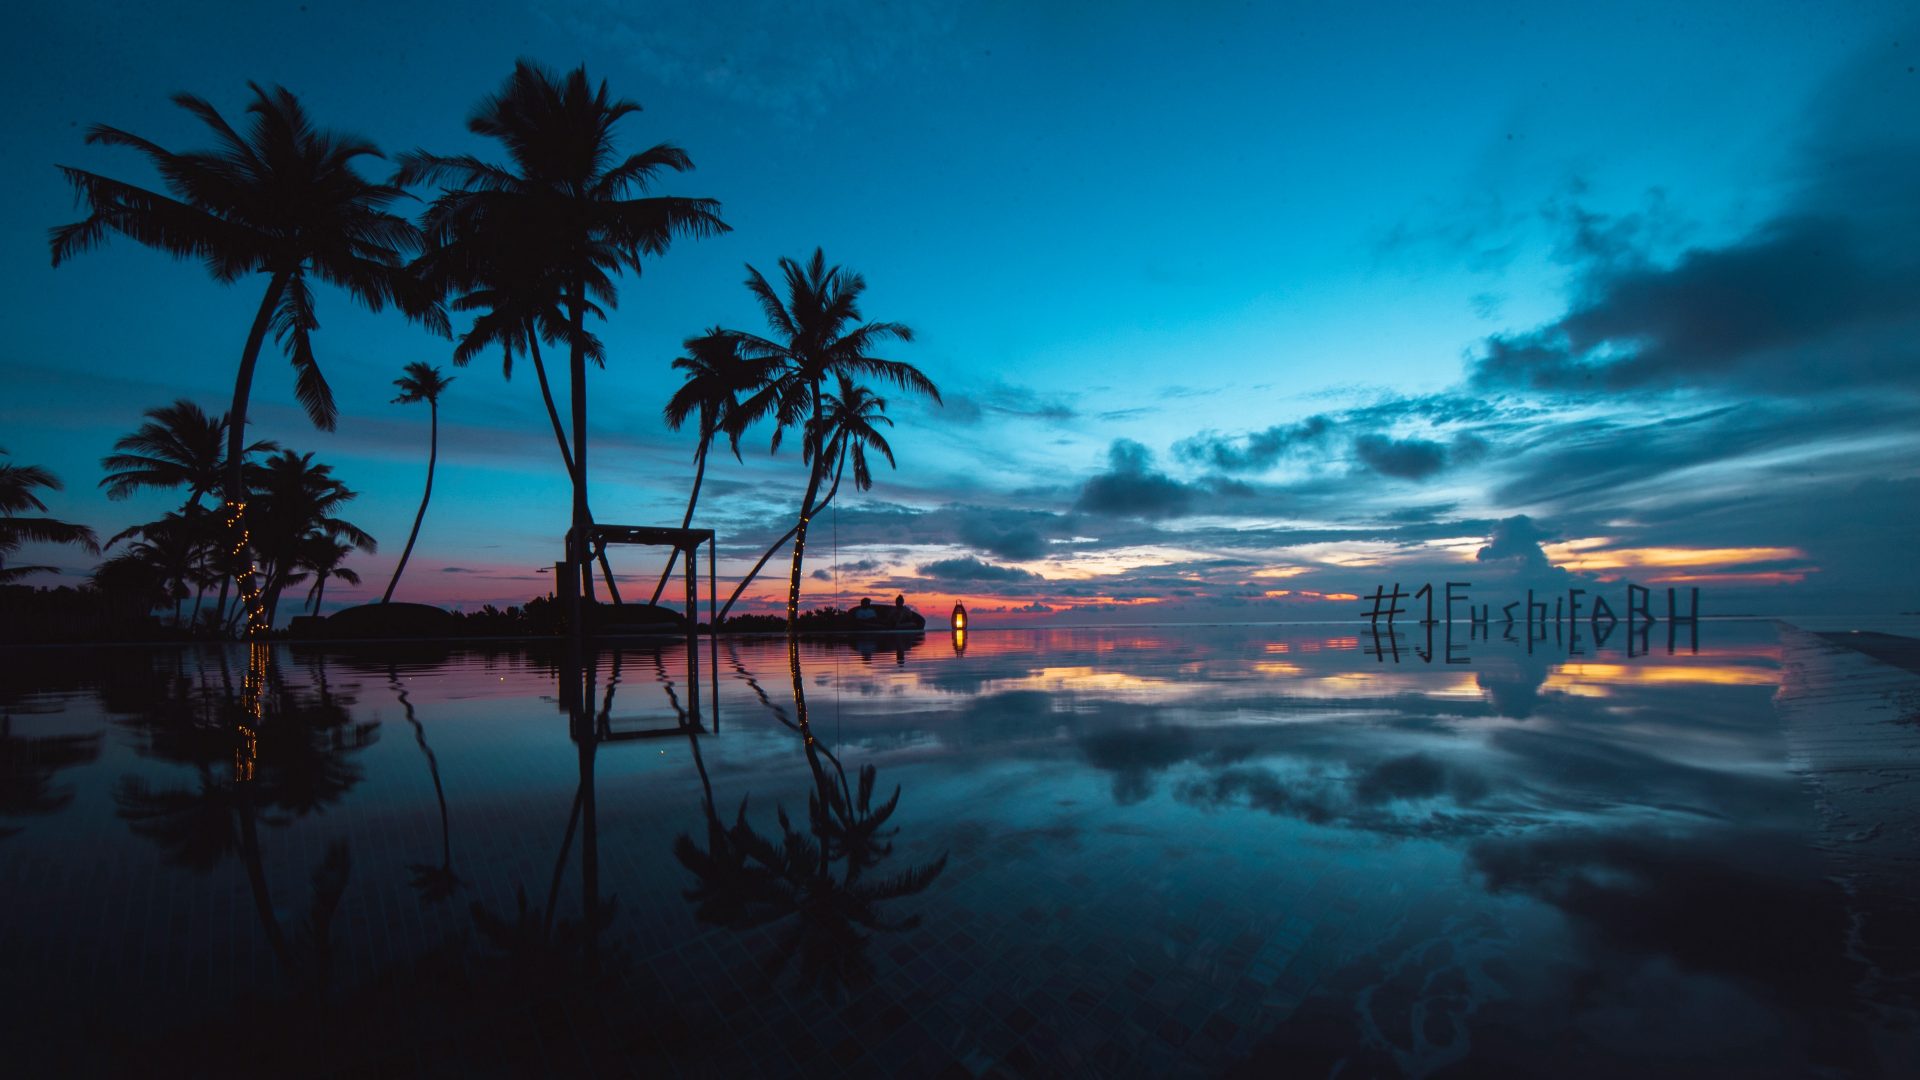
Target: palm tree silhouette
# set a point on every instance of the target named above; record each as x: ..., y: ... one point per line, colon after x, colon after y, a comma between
x: 281, y: 198
x: 567, y: 187
x: 716, y: 377
x: 17, y: 486
x: 174, y: 549
x: 297, y: 501
x: 818, y: 335
x: 422, y: 382
x: 848, y: 426
x: 320, y: 557
x: 179, y: 445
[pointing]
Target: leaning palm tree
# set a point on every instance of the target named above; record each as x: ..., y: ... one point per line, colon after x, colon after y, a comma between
x: 847, y: 428
x: 566, y: 188
x: 817, y: 335
x: 17, y: 486
x: 422, y: 382
x: 281, y: 198
x: 716, y: 377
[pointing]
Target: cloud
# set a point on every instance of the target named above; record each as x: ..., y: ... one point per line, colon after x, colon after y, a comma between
x: 1256, y: 452
x: 1405, y: 459
x: 1816, y: 295
x: 1131, y: 488
x: 968, y: 568
x: 1516, y: 540
x: 455, y: 570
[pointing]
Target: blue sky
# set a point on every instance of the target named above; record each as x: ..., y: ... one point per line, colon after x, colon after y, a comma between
x: 1236, y: 307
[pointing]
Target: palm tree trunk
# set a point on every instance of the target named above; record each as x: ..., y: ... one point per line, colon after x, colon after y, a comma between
x: 577, y: 374
x: 237, y: 448
x: 566, y: 457
x: 433, y: 455
x: 319, y: 592
x: 699, y: 474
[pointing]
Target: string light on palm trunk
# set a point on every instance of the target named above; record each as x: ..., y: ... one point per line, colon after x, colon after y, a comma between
x: 248, y: 578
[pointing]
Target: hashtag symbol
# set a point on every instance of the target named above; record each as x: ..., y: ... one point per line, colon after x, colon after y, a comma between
x: 1386, y: 603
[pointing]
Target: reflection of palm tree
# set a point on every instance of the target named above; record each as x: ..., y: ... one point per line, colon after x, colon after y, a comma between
x: 422, y: 382
x: 817, y: 334
x: 567, y: 186
x: 433, y: 883
x: 270, y: 755
x: 27, y: 768
x: 281, y: 198
x: 814, y: 884
x: 17, y: 486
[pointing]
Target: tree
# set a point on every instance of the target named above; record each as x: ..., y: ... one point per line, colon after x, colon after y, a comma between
x: 180, y: 445
x: 321, y: 557
x: 716, y: 377
x: 818, y: 335
x: 17, y: 486
x: 297, y: 503
x: 564, y: 207
x: 281, y: 198
x: 422, y: 382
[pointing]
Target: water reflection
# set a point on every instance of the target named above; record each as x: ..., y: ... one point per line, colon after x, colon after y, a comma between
x: 1146, y: 851
x: 815, y: 885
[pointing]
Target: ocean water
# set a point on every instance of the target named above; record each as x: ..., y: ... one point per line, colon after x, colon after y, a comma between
x: 1258, y: 850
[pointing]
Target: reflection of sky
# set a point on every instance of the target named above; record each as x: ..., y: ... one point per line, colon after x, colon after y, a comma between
x: 1524, y: 849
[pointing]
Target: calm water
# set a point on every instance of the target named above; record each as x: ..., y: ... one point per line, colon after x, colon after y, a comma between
x: 1255, y: 849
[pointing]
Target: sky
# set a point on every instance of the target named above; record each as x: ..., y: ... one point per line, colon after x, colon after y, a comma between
x: 1238, y: 311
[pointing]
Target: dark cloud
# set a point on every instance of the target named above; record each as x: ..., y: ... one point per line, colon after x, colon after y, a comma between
x: 1405, y: 459
x: 1132, y: 488
x: 455, y: 570
x: 988, y: 532
x: 1814, y: 297
x: 969, y: 568
x: 1256, y: 452
x: 1516, y: 540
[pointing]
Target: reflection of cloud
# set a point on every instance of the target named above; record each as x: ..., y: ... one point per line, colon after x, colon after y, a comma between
x: 1744, y: 903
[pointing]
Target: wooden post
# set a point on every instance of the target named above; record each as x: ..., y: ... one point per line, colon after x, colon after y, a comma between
x: 693, y: 633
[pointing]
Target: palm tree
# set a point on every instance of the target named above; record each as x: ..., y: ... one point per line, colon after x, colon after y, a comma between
x: 297, y: 501
x: 422, y: 382
x: 563, y: 206
x: 174, y: 548
x: 281, y: 198
x: 716, y: 377
x: 180, y: 445
x: 818, y: 335
x: 321, y: 556
x: 17, y: 486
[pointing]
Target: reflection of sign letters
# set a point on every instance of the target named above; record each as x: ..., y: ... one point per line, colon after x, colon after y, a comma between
x: 1565, y: 621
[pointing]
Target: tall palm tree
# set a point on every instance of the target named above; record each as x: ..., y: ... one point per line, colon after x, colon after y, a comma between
x: 566, y: 186
x: 179, y: 445
x: 17, y: 486
x: 817, y: 335
x: 298, y: 501
x: 281, y: 198
x: 716, y: 377
x: 422, y: 382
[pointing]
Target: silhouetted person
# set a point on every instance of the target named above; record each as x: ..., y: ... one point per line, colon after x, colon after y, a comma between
x: 866, y: 611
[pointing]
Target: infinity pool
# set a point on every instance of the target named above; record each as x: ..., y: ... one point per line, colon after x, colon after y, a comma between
x: 1258, y: 850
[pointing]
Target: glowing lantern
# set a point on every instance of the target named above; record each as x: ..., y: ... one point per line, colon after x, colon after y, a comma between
x: 959, y: 618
